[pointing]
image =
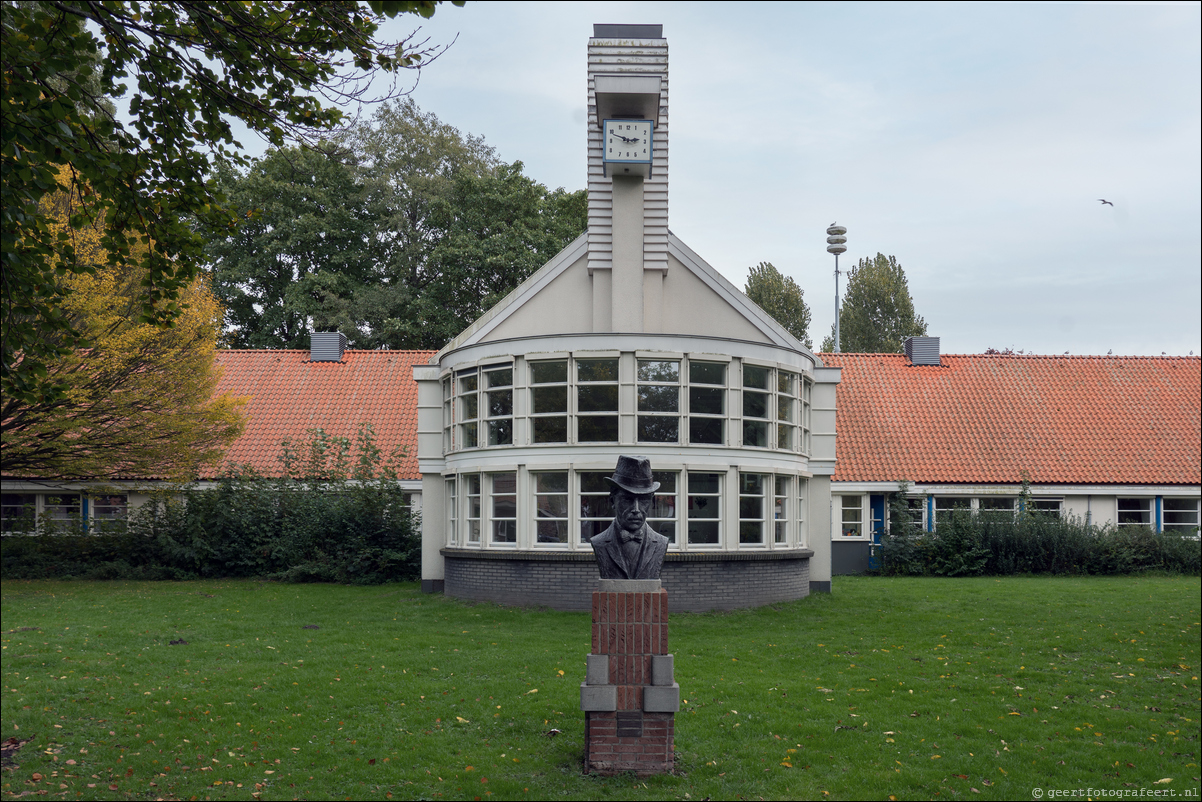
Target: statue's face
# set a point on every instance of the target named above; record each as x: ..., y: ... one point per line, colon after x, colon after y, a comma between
x: 630, y: 510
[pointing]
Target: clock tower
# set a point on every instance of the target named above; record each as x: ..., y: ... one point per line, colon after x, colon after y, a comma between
x: 627, y: 176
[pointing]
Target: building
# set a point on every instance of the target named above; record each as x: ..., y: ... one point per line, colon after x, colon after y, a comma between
x: 626, y: 342
x: 1108, y: 439
x: 288, y: 394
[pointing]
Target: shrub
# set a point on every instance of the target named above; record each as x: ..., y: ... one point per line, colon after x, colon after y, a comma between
x: 334, y: 516
x: 1029, y: 543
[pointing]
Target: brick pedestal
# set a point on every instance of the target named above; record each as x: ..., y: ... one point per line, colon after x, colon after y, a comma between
x: 629, y: 696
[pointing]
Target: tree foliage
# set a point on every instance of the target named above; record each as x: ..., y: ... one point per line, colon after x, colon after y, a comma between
x: 188, y: 72
x: 780, y: 297
x: 399, y: 233
x: 138, y: 401
x: 877, y: 313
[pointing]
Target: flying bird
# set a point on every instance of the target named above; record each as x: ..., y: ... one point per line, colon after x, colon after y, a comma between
x: 1103, y: 200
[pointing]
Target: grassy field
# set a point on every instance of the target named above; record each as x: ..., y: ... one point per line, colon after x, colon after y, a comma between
x: 906, y: 688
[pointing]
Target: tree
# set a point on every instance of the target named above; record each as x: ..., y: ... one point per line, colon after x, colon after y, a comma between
x: 781, y: 298
x: 399, y: 233
x: 877, y: 312
x: 303, y: 239
x: 138, y: 402
x: 274, y: 67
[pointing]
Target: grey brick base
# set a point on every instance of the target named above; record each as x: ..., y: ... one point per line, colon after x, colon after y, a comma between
x: 696, y: 582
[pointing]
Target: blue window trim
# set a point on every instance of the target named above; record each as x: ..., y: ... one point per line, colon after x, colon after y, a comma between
x: 1160, y: 513
x: 930, y: 513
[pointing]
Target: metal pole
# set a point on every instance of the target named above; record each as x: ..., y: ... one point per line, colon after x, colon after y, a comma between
x: 836, y: 244
x: 838, y: 339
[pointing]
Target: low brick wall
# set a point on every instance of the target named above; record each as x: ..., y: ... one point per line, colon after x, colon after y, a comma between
x: 697, y: 581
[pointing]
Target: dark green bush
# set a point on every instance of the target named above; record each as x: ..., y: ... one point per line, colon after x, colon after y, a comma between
x: 328, y: 519
x: 995, y: 545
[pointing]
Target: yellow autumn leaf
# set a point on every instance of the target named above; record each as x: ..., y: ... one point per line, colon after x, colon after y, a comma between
x: 1160, y: 782
x: 462, y: 720
x: 532, y: 690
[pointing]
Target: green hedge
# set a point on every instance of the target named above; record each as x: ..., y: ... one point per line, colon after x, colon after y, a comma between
x: 333, y: 517
x: 967, y: 544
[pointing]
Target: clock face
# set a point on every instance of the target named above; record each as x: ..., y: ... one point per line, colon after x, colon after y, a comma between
x: 628, y: 141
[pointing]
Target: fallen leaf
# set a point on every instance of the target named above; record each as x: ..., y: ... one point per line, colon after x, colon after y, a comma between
x: 1161, y: 782
x: 462, y: 720
x: 532, y: 690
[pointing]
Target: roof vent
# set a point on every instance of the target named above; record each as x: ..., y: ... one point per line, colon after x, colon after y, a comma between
x: 922, y: 350
x: 327, y: 346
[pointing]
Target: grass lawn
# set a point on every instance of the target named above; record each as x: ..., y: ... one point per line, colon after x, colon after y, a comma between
x: 906, y: 688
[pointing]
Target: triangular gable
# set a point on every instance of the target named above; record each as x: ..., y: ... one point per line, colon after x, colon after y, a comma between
x: 557, y: 299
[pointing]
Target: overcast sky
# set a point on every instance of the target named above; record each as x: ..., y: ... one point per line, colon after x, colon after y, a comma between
x: 971, y: 141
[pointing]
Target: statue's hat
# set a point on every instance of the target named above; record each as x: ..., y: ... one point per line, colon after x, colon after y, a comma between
x: 633, y: 475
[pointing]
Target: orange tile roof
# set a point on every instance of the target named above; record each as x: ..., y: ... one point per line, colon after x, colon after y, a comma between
x: 288, y: 395
x: 988, y: 418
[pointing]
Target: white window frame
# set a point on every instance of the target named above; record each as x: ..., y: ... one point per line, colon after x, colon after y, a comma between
x: 764, y: 423
x: 1148, y: 509
x: 537, y: 518
x: 707, y: 497
x: 655, y: 415
x: 841, y: 519
x: 1185, y: 527
x: 722, y: 390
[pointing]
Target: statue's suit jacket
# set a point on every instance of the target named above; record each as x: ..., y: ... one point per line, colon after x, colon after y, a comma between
x: 611, y: 562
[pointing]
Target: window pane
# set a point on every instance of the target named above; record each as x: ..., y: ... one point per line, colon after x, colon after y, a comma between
x: 470, y: 407
x: 550, y: 399
x: 784, y: 408
x: 596, y: 512
x: 594, y: 482
x: 499, y: 378
x: 1135, y: 512
x: 751, y: 532
x: 109, y: 508
x: 755, y: 405
x: 597, y: 429
x: 704, y: 401
x: 784, y: 383
x: 996, y: 504
x: 752, y: 507
x: 705, y: 430
x: 500, y: 403
x: 755, y: 433
x: 705, y: 482
x: 659, y: 398
x: 500, y: 432
x: 597, y: 398
x: 756, y: 377
x: 551, y: 531
x: 784, y: 436
x: 504, y: 508
x: 551, y: 430
x: 551, y: 482
x: 17, y: 512
x: 552, y: 506
x: 657, y: 371
x: 597, y: 370
x: 548, y: 372
x: 469, y: 435
x: 707, y: 373
x: 703, y: 532
x: 658, y: 429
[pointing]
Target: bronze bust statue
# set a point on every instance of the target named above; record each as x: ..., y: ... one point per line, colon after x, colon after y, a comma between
x: 629, y: 548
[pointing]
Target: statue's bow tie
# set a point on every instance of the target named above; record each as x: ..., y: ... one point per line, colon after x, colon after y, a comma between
x: 637, y: 537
